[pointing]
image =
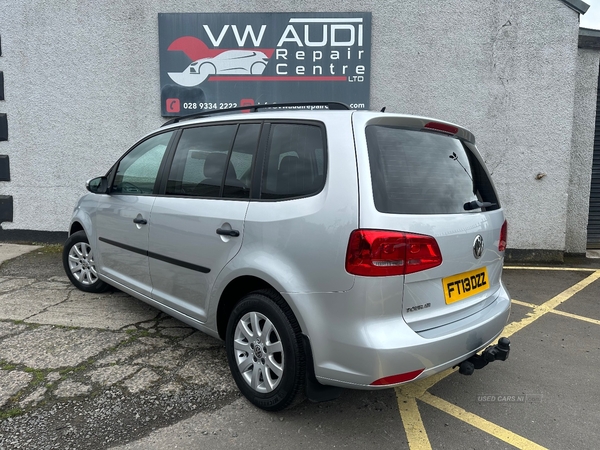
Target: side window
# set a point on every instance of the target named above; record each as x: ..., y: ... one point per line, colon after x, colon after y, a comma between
x: 239, y: 171
x: 137, y: 171
x: 207, y: 160
x: 295, y: 165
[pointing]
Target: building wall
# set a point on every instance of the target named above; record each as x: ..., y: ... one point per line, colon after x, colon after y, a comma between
x: 81, y: 85
x: 584, y: 119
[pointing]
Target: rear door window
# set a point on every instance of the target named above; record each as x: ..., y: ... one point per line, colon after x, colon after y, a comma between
x: 209, y: 163
x: 416, y: 172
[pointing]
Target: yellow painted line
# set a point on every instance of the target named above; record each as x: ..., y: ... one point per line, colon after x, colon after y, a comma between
x: 575, y: 316
x: 560, y: 313
x: 562, y: 269
x: 413, y: 424
x: 519, y: 302
x: 480, y: 423
x: 549, y: 306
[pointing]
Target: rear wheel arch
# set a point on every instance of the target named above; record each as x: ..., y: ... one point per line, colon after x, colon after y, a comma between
x: 234, y: 292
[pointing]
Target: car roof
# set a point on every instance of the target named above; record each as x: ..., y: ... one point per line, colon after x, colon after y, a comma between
x: 359, y: 117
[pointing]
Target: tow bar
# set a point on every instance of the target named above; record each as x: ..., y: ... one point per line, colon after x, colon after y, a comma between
x: 497, y: 352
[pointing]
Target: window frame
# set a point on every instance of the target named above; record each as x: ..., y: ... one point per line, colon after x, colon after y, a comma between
x: 168, y: 162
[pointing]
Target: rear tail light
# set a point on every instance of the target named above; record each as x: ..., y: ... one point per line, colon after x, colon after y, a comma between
x: 503, y: 237
x: 379, y: 253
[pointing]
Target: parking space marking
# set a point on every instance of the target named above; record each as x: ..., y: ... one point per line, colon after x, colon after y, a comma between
x: 480, y: 423
x: 550, y: 305
x: 520, y: 303
x: 560, y: 313
x: 576, y: 316
x: 562, y: 269
x: 413, y: 424
x: 408, y: 394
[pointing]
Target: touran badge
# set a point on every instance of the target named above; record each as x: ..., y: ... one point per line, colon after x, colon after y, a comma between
x: 478, y: 247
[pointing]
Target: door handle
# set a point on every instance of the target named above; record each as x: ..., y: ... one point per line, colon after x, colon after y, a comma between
x: 223, y: 232
x: 140, y: 220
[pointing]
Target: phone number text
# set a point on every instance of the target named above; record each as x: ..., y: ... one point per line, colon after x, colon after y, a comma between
x: 209, y: 105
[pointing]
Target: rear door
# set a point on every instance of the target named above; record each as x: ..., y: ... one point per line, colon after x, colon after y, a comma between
x: 428, y: 181
x: 197, y: 226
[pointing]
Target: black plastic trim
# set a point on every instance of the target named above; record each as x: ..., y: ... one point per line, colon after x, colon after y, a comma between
x: 178, y: 262
x: 157, y: 256
x: 124, y: 246
x: 315, y: 391
x: 1, y: 85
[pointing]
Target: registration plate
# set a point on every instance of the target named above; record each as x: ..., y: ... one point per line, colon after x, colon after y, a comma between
x: 464, y: 285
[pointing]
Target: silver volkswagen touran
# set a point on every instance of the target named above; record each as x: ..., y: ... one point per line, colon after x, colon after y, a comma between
x: 328, y: 248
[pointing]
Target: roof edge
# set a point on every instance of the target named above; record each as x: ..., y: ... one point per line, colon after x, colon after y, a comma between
x: 589, y: 38
x: 577, y: 5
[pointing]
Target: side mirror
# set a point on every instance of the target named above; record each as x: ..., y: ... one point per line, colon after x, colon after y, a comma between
x: 97, y: 185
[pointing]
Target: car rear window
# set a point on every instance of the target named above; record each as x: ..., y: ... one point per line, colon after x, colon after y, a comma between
x: 417, y: 172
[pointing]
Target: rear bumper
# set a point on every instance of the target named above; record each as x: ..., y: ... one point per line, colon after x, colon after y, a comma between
x: 355, y: 342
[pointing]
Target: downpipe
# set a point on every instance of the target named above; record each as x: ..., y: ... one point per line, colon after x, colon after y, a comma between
x: 498, y: 352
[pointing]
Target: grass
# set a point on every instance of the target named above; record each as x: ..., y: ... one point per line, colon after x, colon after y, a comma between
x: 38, y: 374
x: 51, y: 249
x: 7, y: 366
x: 10, y: 413
x: 138, y: 333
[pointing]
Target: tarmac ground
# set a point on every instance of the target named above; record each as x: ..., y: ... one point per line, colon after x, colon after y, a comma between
x: 98, y: 371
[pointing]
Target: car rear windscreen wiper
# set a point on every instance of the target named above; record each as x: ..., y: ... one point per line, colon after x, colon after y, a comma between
x: 476, y: 204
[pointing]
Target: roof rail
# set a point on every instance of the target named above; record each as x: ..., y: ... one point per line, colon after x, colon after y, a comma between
x: 255, y: 108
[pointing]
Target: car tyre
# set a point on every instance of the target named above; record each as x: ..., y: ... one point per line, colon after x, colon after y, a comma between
x: 79, y: 264
x: 265, y: 352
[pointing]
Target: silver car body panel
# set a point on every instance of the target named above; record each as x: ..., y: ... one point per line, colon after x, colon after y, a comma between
x: 187, y: 254
x: 121, y: 244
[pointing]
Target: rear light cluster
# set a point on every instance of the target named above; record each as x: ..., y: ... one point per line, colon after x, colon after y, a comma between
x: 379, y: 253
x: 503, y: 237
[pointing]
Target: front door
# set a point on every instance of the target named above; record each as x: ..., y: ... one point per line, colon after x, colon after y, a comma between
x: 122, y: 216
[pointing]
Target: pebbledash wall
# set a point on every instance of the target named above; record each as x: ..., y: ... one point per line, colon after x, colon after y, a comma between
x: 81, y: 84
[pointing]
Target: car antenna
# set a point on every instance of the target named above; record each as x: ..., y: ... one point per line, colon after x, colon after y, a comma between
x: 383, y: 109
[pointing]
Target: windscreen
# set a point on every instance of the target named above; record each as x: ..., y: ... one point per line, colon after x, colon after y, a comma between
x: 417, y: 172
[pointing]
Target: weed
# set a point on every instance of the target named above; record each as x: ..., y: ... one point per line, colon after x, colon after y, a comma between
x: 10, y: 413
